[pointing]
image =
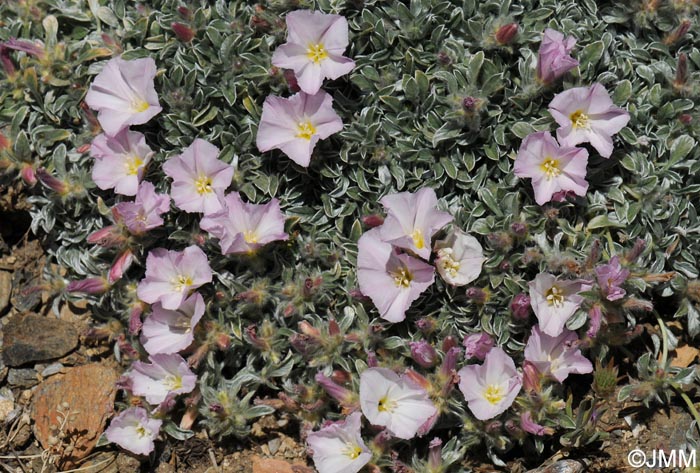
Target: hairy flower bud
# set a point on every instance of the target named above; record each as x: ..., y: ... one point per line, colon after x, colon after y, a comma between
x: 520, y: 306
x: 373, y: 220
x: 506, y: 33
x: 531, y: 378
x: 449, y: 342
x: 678, y: 34
x: 426, y: 325
x: 107, y: 237
x: 27, y: 173
x: 500, y: 241
x: 478, y: 295
x: 135, y: 323
x: 595, y: 318
x: 96, y: 285
x: 681, y: 71
x: 417, y: 378
x: 435, y: 455
x: 120, y: 266
x: 478, y: 345
x: 34, y: 49
x: 423, y: 353
x: 639, y: 246
x: 685, y: 118
x: 519, y: 229
x: 344, y: 396
x: 183, y: 32
x: 52, y: 182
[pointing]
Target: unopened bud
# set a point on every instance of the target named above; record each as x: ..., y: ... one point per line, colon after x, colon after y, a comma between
x: 426, y: 325
x: 107, y: 237
x: 506, y: 33
x: 373, y: 220
x: 595, y: 318
x: 96, y: 285
x: 531, y: 378
x: 681, y: 70
x: 423, y: 353
x: 417, y: 379
x: 639, y: 246
x: 678, y: 34
x: 291, y: 79
x: 435, y: 455
x: 135, y: 323
x: 27, y: 173
x: 518, y: 229
x: 685, y: 118
x: 520, y: 306
x: 33, y: 49
x: 478, y: 345
x: 183, y: 32
x: 51, y: 182
x: 120, y: 266
x: 344, y: 396
x: 477, y: 295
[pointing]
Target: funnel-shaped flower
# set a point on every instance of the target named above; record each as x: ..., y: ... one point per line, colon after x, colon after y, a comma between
x: 338, y: 447
x: 552, y: 168
x: 144, y: 213
x: 314, y: 48
x: 294, y: 125
x: 490, y: 388
x: 164, y: 375
x: 553, y: 60
x: 171, y: 275
x: 133, y: 430
x: 243, y: 227
x: 199, y: 178
x: 556, y: 356
x: 412, y: 220
x: 124, y: 94
x: 120, y: 161
x: 170, y: 331
x: 394, y: 402
x: 554, y: 301
x: 588, y: 115
x: 392, y: 280
x: 459, y: 258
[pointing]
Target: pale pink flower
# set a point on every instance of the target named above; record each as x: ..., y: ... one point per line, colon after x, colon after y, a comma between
x: 124, y: 94
x: 394, y: 402
x: 165, y: 374
x: 171, y: 275
x: 120, y: 161
x: 170, y: 331
x: 552, y: 168
x: 554, y: 301
x: 144, y: 213
x: 478, y: 345
x: 553, y: 60
x: 338, y: 447
x: 133, y: 430
x: 556, y: 356
x: 459, y: 258
x: 294, y: 125
x: 412, y: 220
x: 314, y: 49
x: 490, y: 388
x: 392, y: 280
x: 244, y: 227
x: 588, y: 115
x: 199, y: 178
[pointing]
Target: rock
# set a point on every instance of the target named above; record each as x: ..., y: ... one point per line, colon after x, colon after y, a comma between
x: 127, y: 463
x: 22, y: 377
x: 5, y: 289
x: 274, y: 445
x: 36, y: 338
x: 85, y: 396
x: 7, y: 405
x: 270, y: 465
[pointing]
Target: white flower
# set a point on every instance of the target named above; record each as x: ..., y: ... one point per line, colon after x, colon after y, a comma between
x: 133, y: 430
x: 164, y: 375
x: 339, y: 448
x: 459, y: 258
x: 554, y: 301
x: 394, y: 402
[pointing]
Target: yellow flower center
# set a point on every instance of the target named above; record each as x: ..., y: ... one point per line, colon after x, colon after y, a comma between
x: 386, y: 405
x: 139, y: 105
x: 352, y: 451
x: 203, y: 185
x: 494, y: 394
x: 305, y: 130
x: 555, y: 297
x: 550, y: 167
x: 132, y: 164
x: 250, y: 236
x: 172, y: 382
x: 418, y: 239
x: 403, y: 278
x: 316, y: 52
x: 579, y: 119
x: 181, y: 283
x: 142, y: 431
x: 447, y: 263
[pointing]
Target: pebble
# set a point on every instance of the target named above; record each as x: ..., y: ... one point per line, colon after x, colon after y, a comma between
x: 561, y: 466
x: 22, y: 377
x: 37, y: 338
x: 5, y: 289
x: 7, y: 406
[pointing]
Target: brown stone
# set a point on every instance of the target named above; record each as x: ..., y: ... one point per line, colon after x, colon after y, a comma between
x: 5, y: 289
x: 271, y: 465
x: 36, y: 338
x: 85, y: 397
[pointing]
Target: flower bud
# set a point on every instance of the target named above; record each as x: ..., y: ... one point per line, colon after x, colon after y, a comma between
x: 518, y: 229
x: 4, y: 142
x: 500, y: 241
x: 52, y: 182
x: 135, y: 323
x: 636, y: 250
x: 83, y: 148
x: 107, y: 237
x: 183, y: 32
x: 340, y: 376
x: 373, y: 220
x: 185, y: 12
x: 33, y: 49
x: 532, y: 427
x: 7, y: 65
x: 595, y: 318
x: 449, y: 342
x: 520, y: 306
x: 531, y: 378
x: 417, y: 379
x: 681, y: 70
x: 435, y: 455
x: 478, y: 295
x: 333, y: 328
x: 372, y: 361
x: 344, y: 396
x: 222, y: 341
x: 685, y: 118
x: 477, y: 345
x: 678, y: 34
x: 309, y: 330
x: 470, y: 103
x: 444, y: 58
x: 120, y: 266
x: 96, y: 285
x: 291, y: 79
x: 506, y: 33
x: 423, y: 353
x: 426, y: 325
x: 27, y: 173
